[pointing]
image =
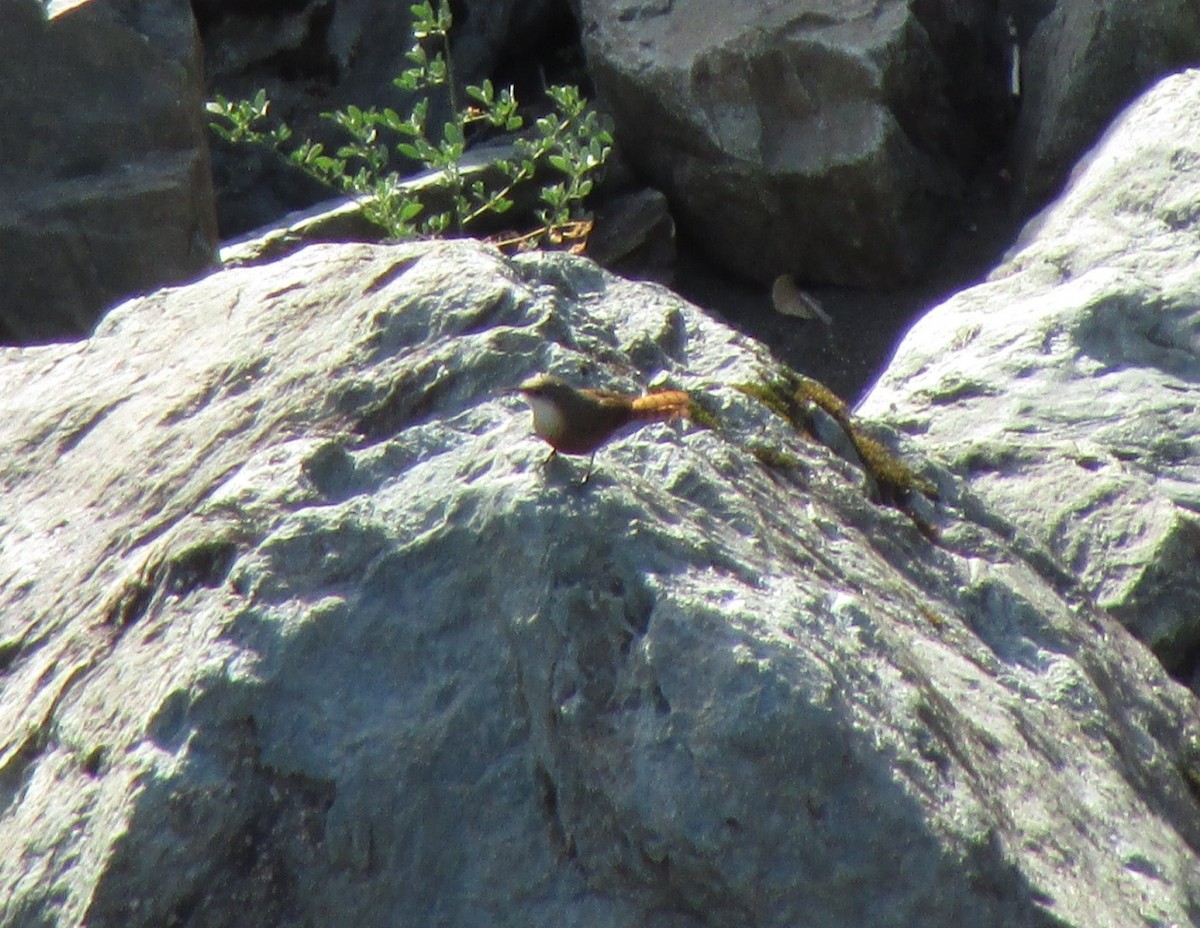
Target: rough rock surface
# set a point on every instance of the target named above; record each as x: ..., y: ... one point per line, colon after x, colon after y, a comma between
x: 828, y: 141
x: 105, y: 188
x: 1065, y: 389
x: 296, y: 629
x: 1083, y: 60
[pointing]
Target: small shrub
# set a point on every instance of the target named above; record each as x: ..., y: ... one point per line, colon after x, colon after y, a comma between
x: 570, y: 144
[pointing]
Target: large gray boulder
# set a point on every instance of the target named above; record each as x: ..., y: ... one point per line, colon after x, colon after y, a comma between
x: 1064, y: 389
x: 105, y: 188
x: 1082, y: 61
x: 830, y: 141
x: 297, y: 629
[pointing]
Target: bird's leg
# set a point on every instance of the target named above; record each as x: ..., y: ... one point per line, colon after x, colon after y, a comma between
x: 588, y: 472
x: 550, y: 457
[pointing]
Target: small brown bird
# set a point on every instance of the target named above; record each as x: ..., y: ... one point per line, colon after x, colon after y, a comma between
x: 578, y: 421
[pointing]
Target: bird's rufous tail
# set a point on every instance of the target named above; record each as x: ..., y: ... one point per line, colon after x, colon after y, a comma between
x: 665, y: 404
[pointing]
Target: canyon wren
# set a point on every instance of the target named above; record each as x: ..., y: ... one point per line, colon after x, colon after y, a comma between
x: 574, y: 420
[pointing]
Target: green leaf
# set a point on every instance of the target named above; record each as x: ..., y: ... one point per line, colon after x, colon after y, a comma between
x: 437, y: 223
x: 484, y: 93
x: 409, y: 151
x: 444, y: 19
x: 453, y: 134
x: 410, y: 210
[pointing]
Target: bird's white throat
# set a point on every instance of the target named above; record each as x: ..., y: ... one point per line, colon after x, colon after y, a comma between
x: 547, y: 420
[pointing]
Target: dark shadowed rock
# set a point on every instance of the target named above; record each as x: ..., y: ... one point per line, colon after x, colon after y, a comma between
x: 296, y: 629
x: 829, y: 141
x: 1065, y: 389
x: 1082, y: 61
x: 361, y: 44
x: 105, y: 188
